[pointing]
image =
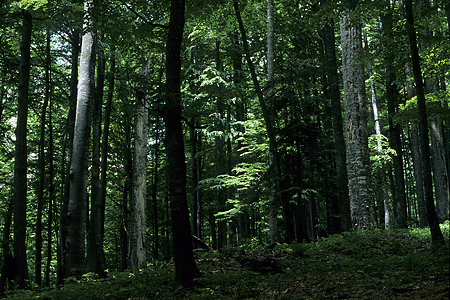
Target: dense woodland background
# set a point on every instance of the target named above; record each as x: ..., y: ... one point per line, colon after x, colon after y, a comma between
x: 262, y: 147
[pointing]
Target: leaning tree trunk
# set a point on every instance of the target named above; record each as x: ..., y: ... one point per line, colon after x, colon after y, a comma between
x: 76, y: 212
x: 436, y: 234
x: 138, y: 225
x: 20, y: 156
x: 358, y: 163
x: 185, y: 267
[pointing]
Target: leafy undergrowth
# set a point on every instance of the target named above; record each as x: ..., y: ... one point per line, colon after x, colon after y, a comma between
x: 358, y: 265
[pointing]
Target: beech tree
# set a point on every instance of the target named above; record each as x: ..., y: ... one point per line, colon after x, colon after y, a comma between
x: 358, y: 168
x: 74, y: 247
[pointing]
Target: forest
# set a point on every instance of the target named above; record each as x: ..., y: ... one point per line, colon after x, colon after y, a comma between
x: 158, y: 137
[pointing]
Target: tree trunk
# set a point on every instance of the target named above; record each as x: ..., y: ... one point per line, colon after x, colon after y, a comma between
x: 155, y: 191
x: 436, y: 234
x: 20, y: 158
x: 358, y: 164
x: 441, y: 179
x: 95, y: 256
x: 65, y: 180
x: 381, y: 172
x: 76, y: 213
x: 185, y: 267
x: 138, y: 225
x: 339, y: 141
x: 51, y: 190
x: 41, y: 159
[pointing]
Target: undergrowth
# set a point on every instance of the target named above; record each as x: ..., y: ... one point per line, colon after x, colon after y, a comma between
x: 396, y: 264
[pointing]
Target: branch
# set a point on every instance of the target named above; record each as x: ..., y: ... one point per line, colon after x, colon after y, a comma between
x: 142, y: 17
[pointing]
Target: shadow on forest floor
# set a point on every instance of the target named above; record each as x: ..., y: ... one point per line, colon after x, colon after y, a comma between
x: 358, y: 265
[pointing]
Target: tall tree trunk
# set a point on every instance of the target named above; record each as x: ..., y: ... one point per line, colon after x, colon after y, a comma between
x: 76, y: 212
x: 436, y: 234
x: 41, y: 159
x: 185, y: 267
x: 273, y: 228
x: 20, y: 156
x: 358, y: 164
x: 51, y: 191
x: 338, y: 133
x: 155, y: 192
x: 381, y: 172
x: 417, y: 163
x: 95, y: 256
x: 68, y: 143
x: 125, y: 202
x: 138, y: 225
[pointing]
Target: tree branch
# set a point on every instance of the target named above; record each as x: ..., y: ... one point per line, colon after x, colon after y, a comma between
x: 142, y: 17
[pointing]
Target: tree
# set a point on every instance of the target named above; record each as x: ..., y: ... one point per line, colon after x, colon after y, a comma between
x: 358, y: 168
x: 138, y: 226
x: 436, y: 234
x: 74, y: 248
x: 185, y: 267
x: 20, y: 157
x: 339, y: 140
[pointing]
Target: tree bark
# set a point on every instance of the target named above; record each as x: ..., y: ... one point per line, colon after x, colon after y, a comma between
x: 41, y: 159
x: 185, y: 267
x: 20, y: 157
x: 68, y: 143
x: 76, y: 212
x: 138, y: 225
x: 95, y: 256
x: 392, y: 96
x: 338, y: 131
x: 358, y: 164
x: 436, y: 234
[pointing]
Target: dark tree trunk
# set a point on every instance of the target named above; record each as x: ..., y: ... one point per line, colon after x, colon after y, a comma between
x: 392, y: 96
x: 338, y: 129
x: 185, y: 267
x: 41, y: 159
x: 51, y: 192
x: 20, y: 158
x: 436, y: 234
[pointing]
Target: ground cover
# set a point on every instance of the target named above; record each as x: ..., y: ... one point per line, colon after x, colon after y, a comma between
x: 398, y: 264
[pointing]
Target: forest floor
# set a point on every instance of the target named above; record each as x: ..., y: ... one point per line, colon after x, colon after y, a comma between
x: 395, y: 264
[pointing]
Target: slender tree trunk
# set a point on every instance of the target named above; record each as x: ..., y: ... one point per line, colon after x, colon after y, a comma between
x: 381, y: 172
x: 125, y: 202
x: 65, y: 180
x: 20, y: 157
x: 155, y: 191
x: 339, y: 141
x: 436, y: 234
x: 273, y: 228
x: 76, y: 216
x: 417, y: 163
x: 358, y: 164
x: 51, y: 192
x: 185, y: 267
x: 138, y: 225
x: 41, y: 159
x: 9, y: 266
